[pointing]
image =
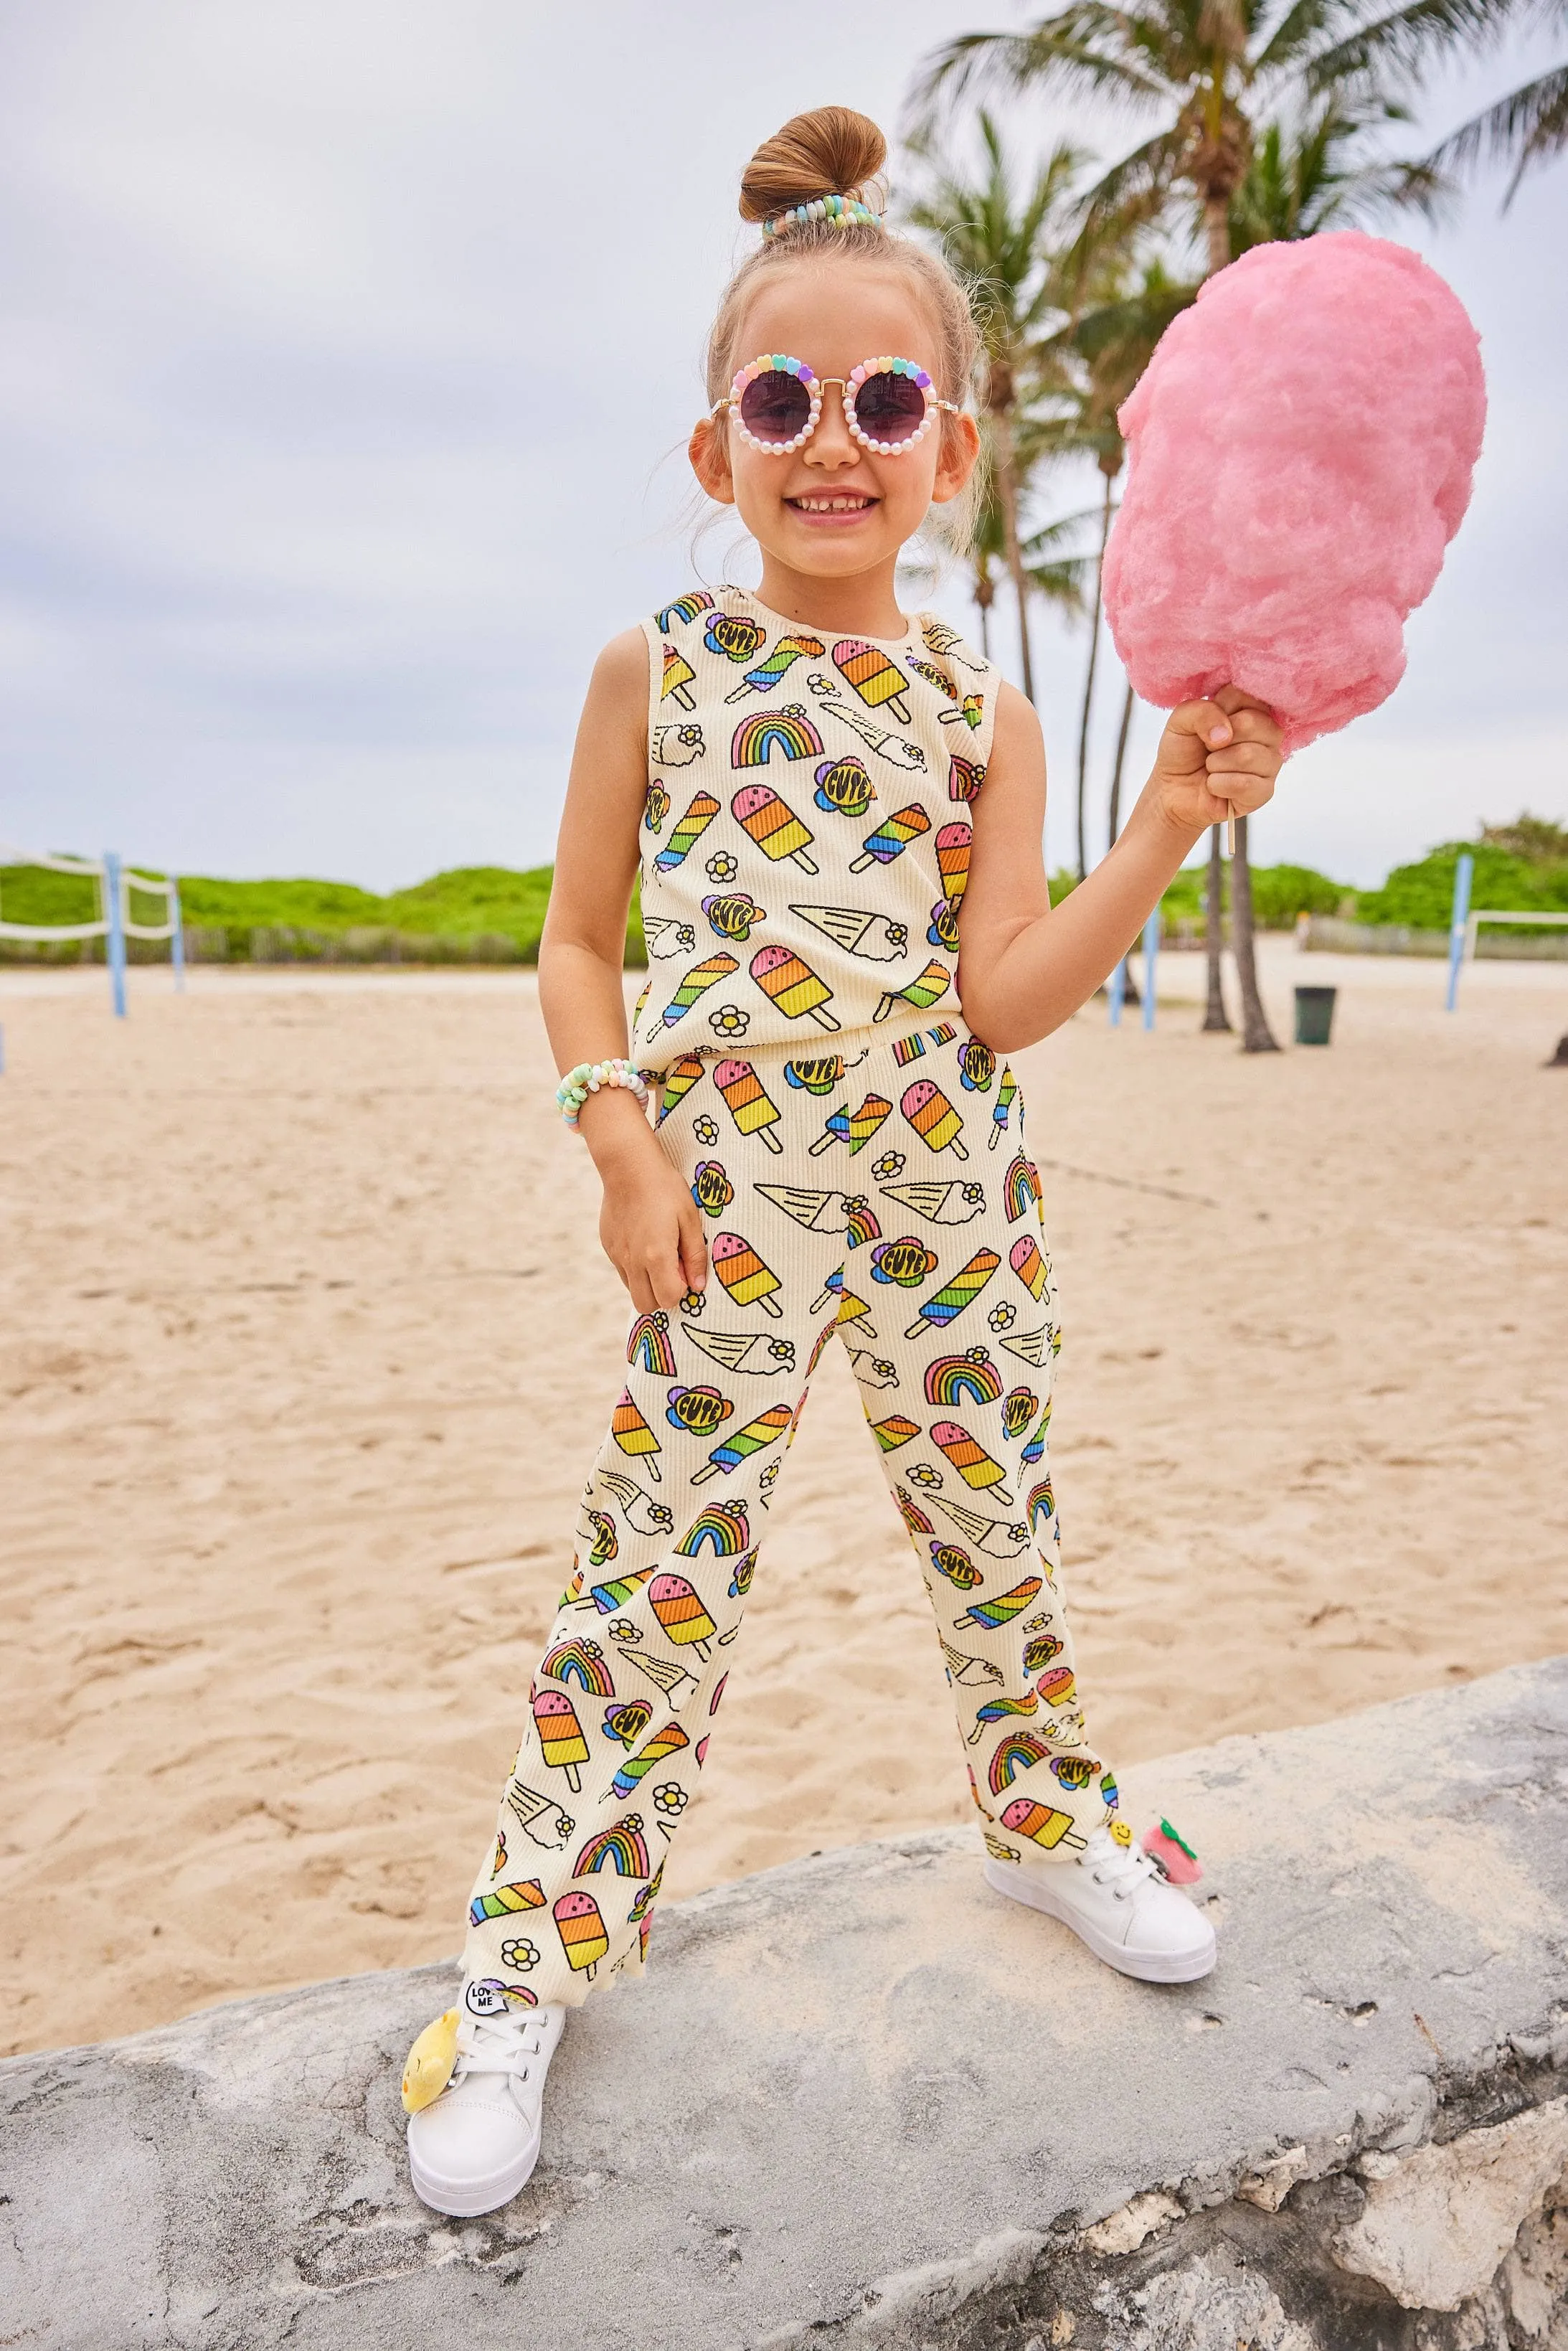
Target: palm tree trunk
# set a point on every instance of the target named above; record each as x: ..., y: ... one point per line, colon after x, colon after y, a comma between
x: 1089, y: 687
x: 1116, y: 825
x: 1257, y: 1037
x: 1214, y: 1015
x: 1007, y: 498
x: 1217, y: 231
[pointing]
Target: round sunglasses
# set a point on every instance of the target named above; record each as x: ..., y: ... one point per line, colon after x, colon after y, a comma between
x: 889, y: 404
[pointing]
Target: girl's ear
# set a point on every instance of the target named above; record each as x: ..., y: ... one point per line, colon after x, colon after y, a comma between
x: 709, y: 453
x: 956, y: 458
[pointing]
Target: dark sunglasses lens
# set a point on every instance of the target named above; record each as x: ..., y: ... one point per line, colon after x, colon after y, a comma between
x: 775, y: 406
x: 890, y: 407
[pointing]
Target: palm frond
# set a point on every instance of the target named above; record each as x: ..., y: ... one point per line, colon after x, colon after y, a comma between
x: 1084, y: 49
x: 1526, y: 128
x: 1410, y: 40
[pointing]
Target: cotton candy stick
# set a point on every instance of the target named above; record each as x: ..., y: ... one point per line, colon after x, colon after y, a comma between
x: 748, y: 1101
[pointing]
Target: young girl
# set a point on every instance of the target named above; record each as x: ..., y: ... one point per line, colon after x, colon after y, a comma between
x: 837, y: 812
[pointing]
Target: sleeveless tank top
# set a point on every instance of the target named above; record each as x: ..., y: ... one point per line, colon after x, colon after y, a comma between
x: 805, y: 840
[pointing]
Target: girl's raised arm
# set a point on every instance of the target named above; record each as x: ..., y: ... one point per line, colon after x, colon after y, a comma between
x: 1023, y: 969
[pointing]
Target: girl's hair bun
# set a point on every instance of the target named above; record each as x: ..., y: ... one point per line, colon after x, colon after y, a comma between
x: 829, y: 152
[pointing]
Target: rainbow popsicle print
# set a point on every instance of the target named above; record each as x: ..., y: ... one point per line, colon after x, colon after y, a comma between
x: 677, y: 678
x: 679, y: 1079
x: 749, y: 1281
x: 894, y: 1431
x: 505, y: 1901
x: 990, y: 1613
x: 892, y: 837
x: 689, y: 830
x: 879, y: 683
x: 682, y: 1614
x: 793, y: 985
x: 855, y: 1127
x: 765, y: 1430
x: 696, y: 983
x: 1043, y: 1822
x: 932, y: 1117
x: 970, y: 1459
x: 580, y: 1927
x: 668, y: 1741
x: 953, y: 845
x: 927, y: 989
x: 1006, y: 1093
x: 1028, y: 1264
x: 777, y: 664
x: 632, y: 1433
x: 965, y: 1286
x: 775, y: 828
x: 561, y: 1741
x: 747, y: 1101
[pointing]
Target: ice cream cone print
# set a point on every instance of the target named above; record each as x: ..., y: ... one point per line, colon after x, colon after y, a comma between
x: 793, y: 985
x: 946, y: 645
x: 819, y: 1212
x: 970, y: 1459
x: 975, y: 1673
x: 878, y: 680
x: 749, y: 1281
x: 677, y: 679
x: 933, y: 1118
x: 632, y: 1433
x: 747, y: 1101
x: 663, y: 1673
x: 857, y: 931
x: 953, y: 1203
x: 561, y: 1741
x: 685, y: 1620
x: 580, y: 1927
x: 997, y: 1538
x: 774, y: 827
x: 744, y: 1351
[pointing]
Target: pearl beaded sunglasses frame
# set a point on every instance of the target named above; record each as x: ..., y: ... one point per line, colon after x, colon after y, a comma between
x: 889, y: 404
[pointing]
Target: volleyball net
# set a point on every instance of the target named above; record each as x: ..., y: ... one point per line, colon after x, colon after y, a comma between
x: 116, y: 883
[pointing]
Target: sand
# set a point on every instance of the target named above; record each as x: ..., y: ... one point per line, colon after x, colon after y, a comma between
x: 308, y: 1347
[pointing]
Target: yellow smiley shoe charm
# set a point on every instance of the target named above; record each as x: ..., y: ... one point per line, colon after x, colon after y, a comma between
x: 430, y: 2063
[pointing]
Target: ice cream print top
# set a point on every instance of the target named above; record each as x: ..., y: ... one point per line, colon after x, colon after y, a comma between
x: 805, y: 841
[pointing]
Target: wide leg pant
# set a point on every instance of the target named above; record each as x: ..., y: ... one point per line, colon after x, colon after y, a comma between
x: 882, y: 1195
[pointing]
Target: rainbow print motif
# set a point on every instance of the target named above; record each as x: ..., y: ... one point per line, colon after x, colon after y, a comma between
x: 913, y: 1258
x: 867, y: 788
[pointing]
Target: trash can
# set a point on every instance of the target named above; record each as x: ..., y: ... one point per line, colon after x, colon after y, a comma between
x: 1314, y: 1014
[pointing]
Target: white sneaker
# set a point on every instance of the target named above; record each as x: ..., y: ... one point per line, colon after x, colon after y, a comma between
x: 477, y: 2144
x: 1117, y: 1902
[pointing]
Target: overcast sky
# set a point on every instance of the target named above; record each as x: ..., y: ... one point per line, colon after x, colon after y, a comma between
x: 348, y: 354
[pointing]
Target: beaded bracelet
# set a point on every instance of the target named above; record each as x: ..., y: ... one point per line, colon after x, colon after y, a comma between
x: 587, y: 1077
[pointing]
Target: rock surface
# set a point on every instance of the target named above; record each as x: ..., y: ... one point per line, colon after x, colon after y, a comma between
x: 865, y: 2100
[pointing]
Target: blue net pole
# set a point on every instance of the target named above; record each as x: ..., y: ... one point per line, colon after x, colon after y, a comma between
x: 1464, y: 872
x: 1117, y: 991
x: 1151, y: 953
x: 114, y: 915
x: 177, y: 936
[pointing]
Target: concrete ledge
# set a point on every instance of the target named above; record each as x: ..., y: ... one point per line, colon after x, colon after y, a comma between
x: 863, y: 2101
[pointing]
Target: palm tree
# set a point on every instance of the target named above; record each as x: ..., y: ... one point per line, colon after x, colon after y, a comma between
x: 1211, y: 70
x: 998, y: 241
x: 1525, y: 129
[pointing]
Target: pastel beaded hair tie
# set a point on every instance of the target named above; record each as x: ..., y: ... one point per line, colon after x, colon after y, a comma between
x: 844, y: 211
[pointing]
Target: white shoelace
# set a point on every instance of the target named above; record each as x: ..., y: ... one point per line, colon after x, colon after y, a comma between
x: 1124, y: 1868
x: 495, y: 2044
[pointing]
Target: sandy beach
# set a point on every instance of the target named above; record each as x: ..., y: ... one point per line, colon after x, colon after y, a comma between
x: 308, y: 1345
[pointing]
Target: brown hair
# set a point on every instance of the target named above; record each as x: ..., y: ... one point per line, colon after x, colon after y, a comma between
x: 833, y: 151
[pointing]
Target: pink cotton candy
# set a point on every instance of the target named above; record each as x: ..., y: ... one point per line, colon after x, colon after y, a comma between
x: 1300, y: 454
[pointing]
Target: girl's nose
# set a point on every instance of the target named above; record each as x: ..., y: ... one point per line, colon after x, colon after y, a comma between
x: 832, y: 445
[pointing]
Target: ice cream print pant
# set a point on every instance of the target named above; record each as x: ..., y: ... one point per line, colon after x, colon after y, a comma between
x: 882, y: 1195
